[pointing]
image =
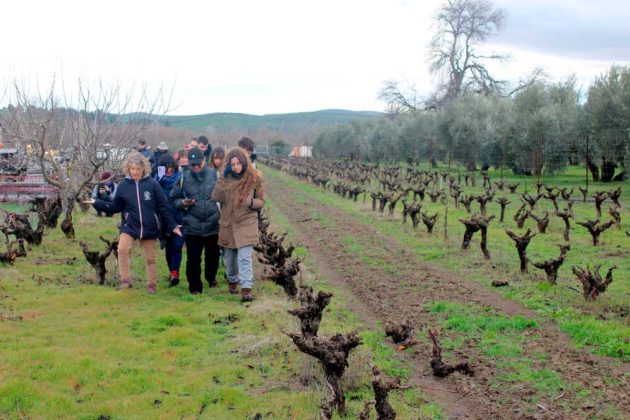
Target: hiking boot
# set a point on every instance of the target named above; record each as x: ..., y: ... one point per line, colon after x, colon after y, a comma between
x: 151, y: 288
x: 213, y: 283
x: 246, y: 295
x: 124, y: 284
x: 233, y: 288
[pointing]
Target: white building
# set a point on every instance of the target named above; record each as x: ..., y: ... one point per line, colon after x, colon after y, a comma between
x: 302, y: 151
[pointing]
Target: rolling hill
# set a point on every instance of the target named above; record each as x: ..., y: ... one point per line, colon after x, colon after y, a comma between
x: 284, y: 122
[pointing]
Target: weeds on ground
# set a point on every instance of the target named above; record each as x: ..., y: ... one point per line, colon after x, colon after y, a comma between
x: 600, y: 325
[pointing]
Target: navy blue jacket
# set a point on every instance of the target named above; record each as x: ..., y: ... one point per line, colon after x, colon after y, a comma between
x: 167, y: 183
x: 202, y: 218
x: 141, y: 204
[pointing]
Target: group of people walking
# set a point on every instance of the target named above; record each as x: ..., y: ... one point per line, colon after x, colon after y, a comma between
x: 204, y: 198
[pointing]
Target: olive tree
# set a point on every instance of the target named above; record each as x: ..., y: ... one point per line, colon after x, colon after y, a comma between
x: 545, y: 118
x: 469, y: 128
x: 608, y: 113
x: 343, y: 141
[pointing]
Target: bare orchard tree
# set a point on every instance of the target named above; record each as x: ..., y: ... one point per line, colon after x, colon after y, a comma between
x: 398, y: 99
x: 462, y: 26
x: 81, y: 131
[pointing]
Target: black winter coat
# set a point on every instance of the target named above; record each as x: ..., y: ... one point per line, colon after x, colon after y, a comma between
x: 141, y: 204
x: 202, y: 218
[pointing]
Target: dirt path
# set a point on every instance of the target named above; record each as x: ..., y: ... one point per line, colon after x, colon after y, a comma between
x: 400, y: 285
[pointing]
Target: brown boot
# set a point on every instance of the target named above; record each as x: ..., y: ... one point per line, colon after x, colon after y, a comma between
x: 233, y: 288
x: 124, y: 284
x: 246, y: 295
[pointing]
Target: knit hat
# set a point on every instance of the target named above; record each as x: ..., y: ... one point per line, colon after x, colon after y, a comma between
x: 105, y: 176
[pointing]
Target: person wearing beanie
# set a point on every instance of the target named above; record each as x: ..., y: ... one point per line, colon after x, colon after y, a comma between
x: 160, y: 150
x: 105, y: 190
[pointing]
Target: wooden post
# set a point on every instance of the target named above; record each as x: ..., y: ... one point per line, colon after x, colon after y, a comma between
x: 446, y: 222
x: 502, y: 158
x: 586, y: 162
x: 540, y: 143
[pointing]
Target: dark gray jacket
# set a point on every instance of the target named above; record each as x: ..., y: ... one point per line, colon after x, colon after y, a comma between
x: 201, y: 219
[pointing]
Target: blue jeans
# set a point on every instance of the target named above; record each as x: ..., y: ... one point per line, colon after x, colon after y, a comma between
x: 238, y: 266
x: 173, y: 252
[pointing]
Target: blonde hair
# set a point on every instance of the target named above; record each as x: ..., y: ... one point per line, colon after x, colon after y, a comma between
x: 135, y: 158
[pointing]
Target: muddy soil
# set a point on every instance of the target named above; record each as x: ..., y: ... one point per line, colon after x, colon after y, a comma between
x: 387, y: 294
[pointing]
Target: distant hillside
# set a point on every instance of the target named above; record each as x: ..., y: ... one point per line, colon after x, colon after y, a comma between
x: 284, y: 122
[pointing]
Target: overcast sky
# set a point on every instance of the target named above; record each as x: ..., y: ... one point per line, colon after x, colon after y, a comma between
x: 277, y: 56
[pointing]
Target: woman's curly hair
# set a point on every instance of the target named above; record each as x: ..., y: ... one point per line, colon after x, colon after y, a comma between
x: 136, y: 158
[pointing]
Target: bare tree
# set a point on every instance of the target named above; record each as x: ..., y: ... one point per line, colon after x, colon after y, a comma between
x: 398, y: 100
x: 83, y: 128
x: 462, y: 26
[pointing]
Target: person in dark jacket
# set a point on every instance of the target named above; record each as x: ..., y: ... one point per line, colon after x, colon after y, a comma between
x: 105, y: 190
x: 193, y: 196
x: 248, y: 145
x: 144, y: 149
x: 142, y: 203
x: 173, y: 244
x: 205, y: 146
x: 160, y: 151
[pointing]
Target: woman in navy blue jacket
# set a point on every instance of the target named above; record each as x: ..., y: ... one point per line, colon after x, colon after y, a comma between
x: 143, y: 205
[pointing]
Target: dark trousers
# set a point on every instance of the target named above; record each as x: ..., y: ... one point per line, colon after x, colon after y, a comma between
x: 173, y: 252
x: 194, y: 247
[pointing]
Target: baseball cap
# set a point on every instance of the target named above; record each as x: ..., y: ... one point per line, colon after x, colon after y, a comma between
x: 195, y: 156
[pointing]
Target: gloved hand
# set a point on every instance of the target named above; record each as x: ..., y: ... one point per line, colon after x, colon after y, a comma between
x: 228, y: 170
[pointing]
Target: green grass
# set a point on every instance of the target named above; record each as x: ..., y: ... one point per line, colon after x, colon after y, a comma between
x: 499, y: 336
x: 502, y: 338
x: 85, y: 351
x: 606, y: 318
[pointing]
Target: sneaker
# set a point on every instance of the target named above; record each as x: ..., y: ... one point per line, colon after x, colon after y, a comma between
x: 195, y: 293
x: 124, y: 284
x: 213, y: 283
x: 151, y: 288
x: 174, y: 281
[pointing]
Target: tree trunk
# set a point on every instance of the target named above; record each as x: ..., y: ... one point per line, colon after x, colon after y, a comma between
x: 608, y: 170
x: 67, y: 202
x: 594, y: 171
